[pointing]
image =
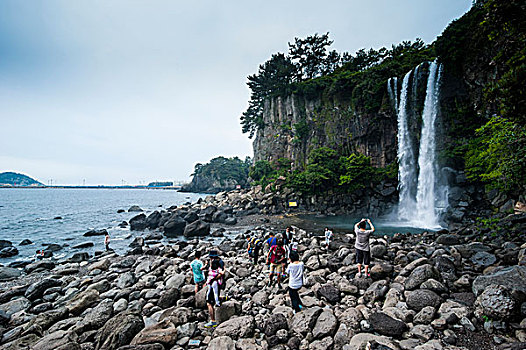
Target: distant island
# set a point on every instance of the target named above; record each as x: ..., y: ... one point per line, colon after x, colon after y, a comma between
x: 16, y: 179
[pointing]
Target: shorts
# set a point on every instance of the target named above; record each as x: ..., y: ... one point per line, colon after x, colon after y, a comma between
x: 200, y: 284
x: 363, y: 256
x: 276, y: 268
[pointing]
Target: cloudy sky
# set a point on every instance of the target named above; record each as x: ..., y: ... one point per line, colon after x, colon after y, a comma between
x: 138, y: 91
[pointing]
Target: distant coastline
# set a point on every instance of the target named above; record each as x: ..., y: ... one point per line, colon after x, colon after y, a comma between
x: 176, y: 188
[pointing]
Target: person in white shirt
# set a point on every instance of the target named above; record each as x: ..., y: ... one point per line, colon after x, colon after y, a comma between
x: 328, y: 236
x: 295, y: 272
x: 363, y: 255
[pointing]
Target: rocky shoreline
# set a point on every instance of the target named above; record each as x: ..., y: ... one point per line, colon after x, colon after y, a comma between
x: 464, y: 289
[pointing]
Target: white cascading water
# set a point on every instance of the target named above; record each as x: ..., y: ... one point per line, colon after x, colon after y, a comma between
x: 406, y: 157
x: 427, y: 214
x: 423, y: 209
x: 392, y: 89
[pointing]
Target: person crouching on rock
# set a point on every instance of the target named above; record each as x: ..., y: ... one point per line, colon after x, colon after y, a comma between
x: 197, y: 270
x: 215, y: 279
x: 295, y: 272
x: 363, y: 255
x: 275, y: 257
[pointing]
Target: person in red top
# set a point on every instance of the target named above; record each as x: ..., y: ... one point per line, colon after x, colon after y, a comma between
x: 276, y: 256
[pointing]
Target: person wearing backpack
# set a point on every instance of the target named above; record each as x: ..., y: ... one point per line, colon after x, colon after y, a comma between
x: 295, y: 272
x: 275, y: 258
x: 254, y: 247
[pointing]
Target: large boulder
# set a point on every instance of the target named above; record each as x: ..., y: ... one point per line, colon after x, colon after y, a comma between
x: 274, y: 323
x: 386, y: 325
x: 118, y: 331
x: 448, y: 239
x: 174, y: 226
x: 222, y: 343
x: 36, y: 290
x: 361, y: 341
x: 14, y: 306
x: 236, y: 328
x: 419, y: 275
x: 92, y: 233
x: 498, y: 302
x: 5, y: 244
x: 329, y: 292
x: 164, y: 332
x: 513, y: 277
x: 138, y: 222
x: 152, y: 221
x: 58, y: 340
x: 304, y: 321
x: 197, y: 228
x: 326, y: 325
x: 96, y: 317
x: 8, y: 252
x: 82, y: 301
x: 420, y: 298
x: 40, y: 265
x: 483, y: 259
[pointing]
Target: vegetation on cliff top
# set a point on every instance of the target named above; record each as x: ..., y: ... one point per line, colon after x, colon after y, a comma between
x: 488, y: 139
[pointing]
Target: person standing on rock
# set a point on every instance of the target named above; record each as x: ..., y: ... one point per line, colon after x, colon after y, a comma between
x: 197, y: 271
x: 363, y: 255
x: 214, y: 281
x: 254, y: 246
x: 107, y: 241
x: 295, y: 272
x: 328, y: 237
x: 269, y: 243
x: 275, y: 258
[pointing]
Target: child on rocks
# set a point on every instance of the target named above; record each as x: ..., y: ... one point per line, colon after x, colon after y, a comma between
x: 328, y: 237
x: 197, y: 270
x: 295, y: 272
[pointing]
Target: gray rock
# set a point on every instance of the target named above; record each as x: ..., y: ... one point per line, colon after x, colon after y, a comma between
x: 127, y: 279
x: 175, y: 226
x: 513, y: 277
x: 448, y: 239
x: 378, y: 251
x: 274, y: 323
x: 163, y: 332
x: 304, y: 321
x: 82, y: 301
x: 36, y: 290
x: 420, y: 275
x: 8, y: 252
x: 9, y: 273
x: 329, y: 292
x: 483, y: 259
x: 118, y: 331
x: 135, y: 208
x: 498, y: 302
x: 222, y: 343
x: 138, y: 222
x: 96, y: 317
x: 58, y: 340
x: 424, y: 316
x: 326, y: 325
x: 386, y: 325
x: 197, y: 228
x: 14, y: 306
x: 92, y: 233
x: 420, y: 298
x: 376, y: 291
x: 236, y: 328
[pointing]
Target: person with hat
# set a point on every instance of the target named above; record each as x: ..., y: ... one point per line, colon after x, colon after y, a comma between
x: 216, y: 273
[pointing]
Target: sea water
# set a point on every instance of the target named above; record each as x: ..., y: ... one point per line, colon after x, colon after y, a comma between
x: 62, y: 216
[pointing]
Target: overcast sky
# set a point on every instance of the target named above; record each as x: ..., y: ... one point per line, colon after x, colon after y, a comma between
x: 138, y: 91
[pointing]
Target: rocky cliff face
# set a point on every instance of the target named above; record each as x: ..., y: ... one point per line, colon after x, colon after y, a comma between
x: 294, y: 125
x: 209, y: 184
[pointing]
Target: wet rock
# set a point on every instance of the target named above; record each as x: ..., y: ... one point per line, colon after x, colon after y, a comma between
x: 135, y: 208
x: 175, y: 226
x: 8, y: 252
x: 4, y: 244
x: 138, y: 223
x: 91, y: 233
x: 197, y: 228
x: 152, y: 221
x: 40, y: 265
x: 14, y: 306
x: 79, y: 257
x: 483, y: 259
x: 448, y: 239
x: 26, y: 242
x: 386, y: 325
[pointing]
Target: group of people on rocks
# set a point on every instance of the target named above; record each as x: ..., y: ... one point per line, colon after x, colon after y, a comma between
x: 282, y: 259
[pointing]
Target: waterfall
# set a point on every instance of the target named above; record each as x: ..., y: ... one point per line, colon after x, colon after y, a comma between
x: 421, y: 194
x: 392, y: 89
x: 406, y: 156
x: 426, y: 211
